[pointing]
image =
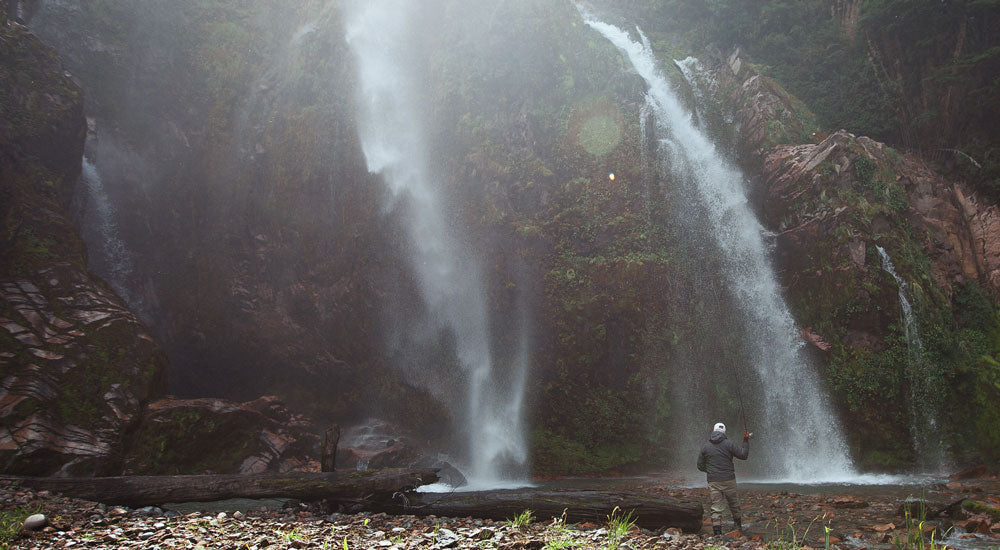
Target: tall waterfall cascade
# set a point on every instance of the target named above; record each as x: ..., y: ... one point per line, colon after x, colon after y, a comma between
x: 393, y: 139
x: 924, y: 430
x: 803, y: 434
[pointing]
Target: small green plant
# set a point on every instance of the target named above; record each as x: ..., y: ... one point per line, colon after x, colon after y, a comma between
x: 559, y: 544
x: 914, y: 532
x: 619, y: 524
x: 520, y: 520
x: 293, y: 535
x: 786, y: 538
x: 10, y: 525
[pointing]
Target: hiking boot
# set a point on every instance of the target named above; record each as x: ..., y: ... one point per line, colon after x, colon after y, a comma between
x: 739, y: 524
x: 717, y: 530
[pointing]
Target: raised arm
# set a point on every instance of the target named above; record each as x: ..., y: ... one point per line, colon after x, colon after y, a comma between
x: 740, y: 451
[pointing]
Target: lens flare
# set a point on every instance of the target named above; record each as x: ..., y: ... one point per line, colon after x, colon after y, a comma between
x: 611, y: 176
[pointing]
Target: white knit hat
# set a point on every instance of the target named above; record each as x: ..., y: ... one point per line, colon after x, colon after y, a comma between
x: 720, y: 427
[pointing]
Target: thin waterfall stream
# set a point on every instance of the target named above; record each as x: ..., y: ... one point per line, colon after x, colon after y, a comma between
x: 450, y: 280
x: 924, y: 425
x: 791, y: 408
x: 109, y: 256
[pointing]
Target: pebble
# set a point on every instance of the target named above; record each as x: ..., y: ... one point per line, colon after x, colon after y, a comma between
x: 35, y: 522
x: 79, y: 526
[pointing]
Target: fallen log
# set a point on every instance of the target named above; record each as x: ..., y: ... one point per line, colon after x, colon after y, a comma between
x: 649, y: 511
x: 149, y: 490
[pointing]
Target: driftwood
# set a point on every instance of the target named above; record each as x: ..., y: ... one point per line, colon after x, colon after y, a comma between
x: 150, y: 490
x: 329, y: 455
x: 649, y: 511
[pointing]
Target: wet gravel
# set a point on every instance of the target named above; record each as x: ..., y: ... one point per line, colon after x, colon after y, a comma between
x: 852, y: 521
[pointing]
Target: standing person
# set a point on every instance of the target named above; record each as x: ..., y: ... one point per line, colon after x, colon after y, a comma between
x: 716, y: 460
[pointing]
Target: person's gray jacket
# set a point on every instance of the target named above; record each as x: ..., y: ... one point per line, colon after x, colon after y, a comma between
x: 716, y: 458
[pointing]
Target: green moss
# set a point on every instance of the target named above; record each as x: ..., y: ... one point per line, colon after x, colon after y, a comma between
x: 11, y: 522
x: 979, y: 507
x: 190, y: 440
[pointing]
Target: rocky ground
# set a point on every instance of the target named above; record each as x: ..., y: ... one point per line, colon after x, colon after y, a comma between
x: 854, y: 521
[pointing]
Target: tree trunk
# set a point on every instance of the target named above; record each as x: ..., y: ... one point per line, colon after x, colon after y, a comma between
x: 649, y: 511
x: 330, y: 442
x: 150, y: 490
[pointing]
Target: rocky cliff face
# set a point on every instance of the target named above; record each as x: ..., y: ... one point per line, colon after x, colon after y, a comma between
x: 304, y: 276
x: 225, y: 136
x: 831, y: 202
x: 202, y: 436
x: 77, y: 365
x: 268, y: 261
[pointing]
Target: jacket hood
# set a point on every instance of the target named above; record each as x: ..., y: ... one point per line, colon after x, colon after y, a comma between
x: 717, y: 437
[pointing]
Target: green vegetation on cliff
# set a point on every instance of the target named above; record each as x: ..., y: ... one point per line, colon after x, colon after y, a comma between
x: 915, y: 74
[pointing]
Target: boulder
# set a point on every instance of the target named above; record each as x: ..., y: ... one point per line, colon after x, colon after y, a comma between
x: 976, y: 472
x: 35, y: 522
x: 450, y: 475
x: 377, y: 444
x: 216, y: 436
x: 849, y: 502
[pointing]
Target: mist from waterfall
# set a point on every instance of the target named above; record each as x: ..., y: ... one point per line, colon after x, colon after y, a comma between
x: 393, y: 138
x: 804, y: 439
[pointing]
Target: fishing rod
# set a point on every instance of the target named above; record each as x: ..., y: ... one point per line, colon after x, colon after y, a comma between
x: 739, y: 394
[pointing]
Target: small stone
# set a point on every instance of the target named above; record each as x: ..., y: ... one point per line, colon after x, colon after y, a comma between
x: 848, y: 502
x: 145, y: 535
x: 222, y: 515
x: 35, y: 522
x: 238, y: 515
x: 159, y: 525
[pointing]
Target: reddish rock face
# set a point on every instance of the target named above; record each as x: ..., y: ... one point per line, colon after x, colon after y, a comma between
x: 960, y: 232
x: 200, y: 436
x: 77, y: 367
x: 983, y: 222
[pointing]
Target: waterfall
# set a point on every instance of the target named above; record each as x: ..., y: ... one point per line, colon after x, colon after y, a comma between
x: 924, y: 425
x: 804, y: 437
x: 107, y: 254
x: 448, y: 274
x: 688, y: 67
